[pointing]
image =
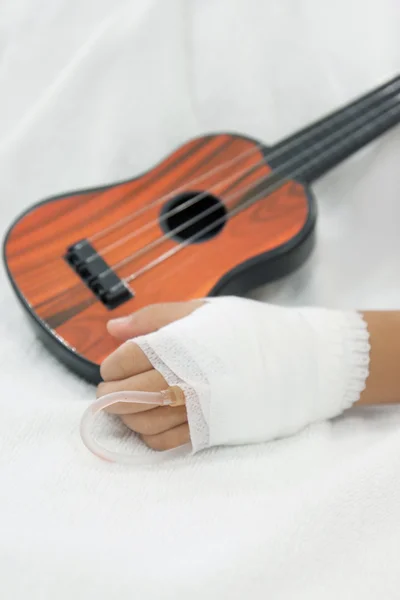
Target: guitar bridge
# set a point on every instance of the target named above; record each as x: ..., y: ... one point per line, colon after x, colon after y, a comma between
x: 97, y: 275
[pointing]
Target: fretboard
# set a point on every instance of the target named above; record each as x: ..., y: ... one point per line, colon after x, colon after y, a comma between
x: 313, y: 151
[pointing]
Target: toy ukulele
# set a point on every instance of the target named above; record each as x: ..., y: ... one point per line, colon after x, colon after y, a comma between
x: 221, y: 214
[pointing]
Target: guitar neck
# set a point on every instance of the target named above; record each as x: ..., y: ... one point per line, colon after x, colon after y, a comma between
x: 310, y: 153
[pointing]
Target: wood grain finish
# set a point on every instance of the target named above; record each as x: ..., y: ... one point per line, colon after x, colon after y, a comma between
x: 37, y: 243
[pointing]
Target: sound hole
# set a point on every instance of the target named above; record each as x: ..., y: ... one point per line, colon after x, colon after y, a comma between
x: 193, y: 214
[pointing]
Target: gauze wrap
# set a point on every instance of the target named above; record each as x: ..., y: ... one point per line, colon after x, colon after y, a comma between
x: 252, y: 372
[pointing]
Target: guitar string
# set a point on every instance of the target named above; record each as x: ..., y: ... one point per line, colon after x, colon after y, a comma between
x: 295, y: 141
x: 273, y: 175
x: 173, y: 193
x: 185, y: 205
x: 309, y: 133
x: 234, y: 212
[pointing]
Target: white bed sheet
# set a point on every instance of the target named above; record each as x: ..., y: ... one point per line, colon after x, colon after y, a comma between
x: 97, y: 91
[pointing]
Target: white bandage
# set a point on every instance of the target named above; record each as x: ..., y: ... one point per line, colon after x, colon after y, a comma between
x: 253, y: 372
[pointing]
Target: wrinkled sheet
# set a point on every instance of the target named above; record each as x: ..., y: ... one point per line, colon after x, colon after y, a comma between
x: 95, y: 92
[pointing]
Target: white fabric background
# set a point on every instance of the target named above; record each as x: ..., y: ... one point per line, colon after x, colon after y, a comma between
x: 94, y: 91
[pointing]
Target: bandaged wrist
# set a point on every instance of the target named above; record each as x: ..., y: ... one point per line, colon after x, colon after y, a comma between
x: 253, y: 372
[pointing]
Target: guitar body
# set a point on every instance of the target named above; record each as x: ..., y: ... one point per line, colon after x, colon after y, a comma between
x: 261, y: 243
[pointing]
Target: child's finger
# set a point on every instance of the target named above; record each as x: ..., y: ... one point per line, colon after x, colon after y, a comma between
x: 125, y: 361
x: 168, y: 439
x: 150, y: 319
x: 150, y: 381
x: 156, y: 421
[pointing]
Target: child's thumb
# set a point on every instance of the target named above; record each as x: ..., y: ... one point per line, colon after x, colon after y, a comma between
x: 150, y: 319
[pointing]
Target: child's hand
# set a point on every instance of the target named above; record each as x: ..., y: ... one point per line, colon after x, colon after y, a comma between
x: 127, y: 368
x: 251, y: 372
